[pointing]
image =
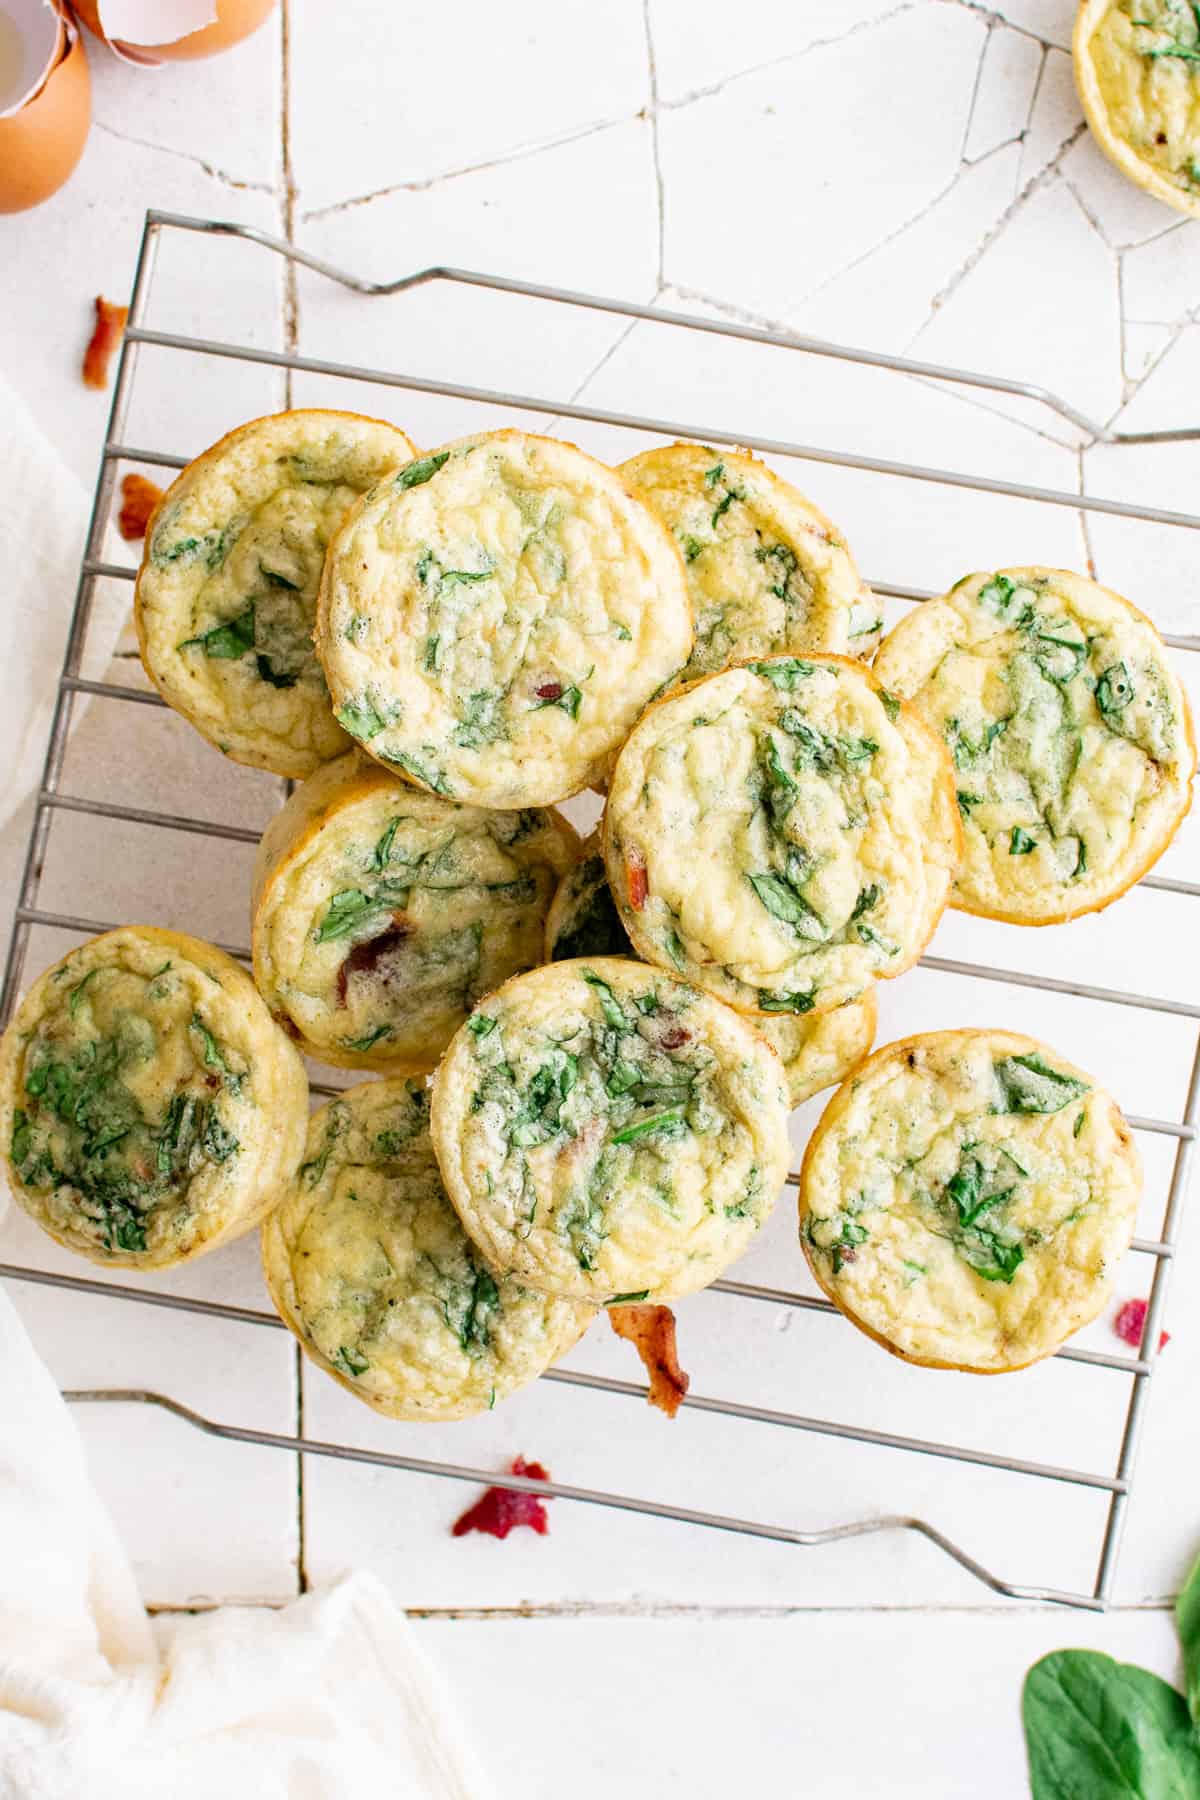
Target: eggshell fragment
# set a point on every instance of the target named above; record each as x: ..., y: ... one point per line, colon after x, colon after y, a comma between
x: 231, y: 21
x: 41, y: 144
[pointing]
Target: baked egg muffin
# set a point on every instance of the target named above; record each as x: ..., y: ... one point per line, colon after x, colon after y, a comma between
x: 367, y: 1263
x: 767, y: 573
x: 1137, y: 68
x: 150, y: 1109
x: 382, y: 914
x: 607, y: 1133
x: 494, y: 618
x: 966, y: 1198
x: 1070, y: 733
x: 782, y: 834
x: 815, y: 1050
x: 226, y: 593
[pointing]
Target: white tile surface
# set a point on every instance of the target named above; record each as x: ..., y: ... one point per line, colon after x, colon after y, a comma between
x: 701, y: 1706
x: 1008, y: 80
x: 892, y: 172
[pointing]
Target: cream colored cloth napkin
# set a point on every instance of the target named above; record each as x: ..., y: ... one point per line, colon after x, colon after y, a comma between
x: 328, y: 1697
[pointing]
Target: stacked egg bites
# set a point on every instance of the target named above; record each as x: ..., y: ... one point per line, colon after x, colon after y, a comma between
x: 448, y: 643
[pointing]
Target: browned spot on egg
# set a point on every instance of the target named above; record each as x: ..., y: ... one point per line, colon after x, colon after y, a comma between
x: 366, y: 957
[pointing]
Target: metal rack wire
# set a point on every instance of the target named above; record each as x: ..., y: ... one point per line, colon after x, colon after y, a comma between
x: 51, y: 799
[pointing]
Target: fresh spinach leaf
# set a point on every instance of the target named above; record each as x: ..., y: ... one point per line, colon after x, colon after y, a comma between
x: 785, y: 673
x: 786, y: 1003
x: 416, y: 474
x: 362, y: 719
x: 350, y: 1361
x: 1096, y: 1729
x: 227, y: 642
x: 671, y: 1121
x: 1020, y: 843
x: 367, y: 1042
x: 346, y: 912
x: 610, y: 1006
x: 1027, y: 1084
x: 784, y: 903
x: 1187, y: 1621
x: 1114, y: 691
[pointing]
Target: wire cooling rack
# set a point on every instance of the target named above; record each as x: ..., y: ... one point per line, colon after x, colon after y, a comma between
x: 1134, y: 1370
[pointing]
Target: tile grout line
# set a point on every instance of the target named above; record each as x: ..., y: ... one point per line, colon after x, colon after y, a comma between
x: 290, y: 322
x: 291, y: 296
x: 666, y: 1610
x: 656, y: 149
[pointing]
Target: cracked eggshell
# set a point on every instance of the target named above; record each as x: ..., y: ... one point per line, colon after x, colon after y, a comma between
x: 42, y: 141
x: 224, y: 23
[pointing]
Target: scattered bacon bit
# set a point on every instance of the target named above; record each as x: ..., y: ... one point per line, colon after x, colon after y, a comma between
x: 139, y: 498
x: 1130, y: 1324
x: 550, y: 691
x: 639, y: 886
x: 366, y: 957
x: 674, y: 1037
x: 109, y: 328
x: 498, y: 1509
x: 651, y: 1331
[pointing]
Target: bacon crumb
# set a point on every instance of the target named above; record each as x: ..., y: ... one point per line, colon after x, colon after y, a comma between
x: 365, y: 958
x: 639, y: 885
x: 651, y: 1331
x: 550, y: 691
x: 107, y: 334
x: 139, y: 498
x: 674, y: 1038
x: 498, y: 1510
x: 1130, y: 1324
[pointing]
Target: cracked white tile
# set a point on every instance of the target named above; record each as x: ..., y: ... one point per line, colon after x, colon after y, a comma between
x: 1054, y: 119
x: 1143, y: 347
x: 173, y: 108
x: 49, y: 311
x: 210, y: 169
x: 983, y: 245
x: 791, y: 130
x: 1124, y: 215
x: 1049, y: 21
x: 1008, y: 78
x: 443, y: 177
x: 1160, y: 277
x: 914, y: 263
x: 698, y: 52
x: 453, y: 333
x: 1038, y: 302
x: 412, y: 97
x: 652, y: 74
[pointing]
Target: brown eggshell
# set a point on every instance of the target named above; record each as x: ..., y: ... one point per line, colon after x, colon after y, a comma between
x: 235, y: 20
x: 41, y: 144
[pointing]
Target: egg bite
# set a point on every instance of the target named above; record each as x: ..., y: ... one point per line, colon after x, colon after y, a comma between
x: 609, y: 1134
x: 1070, y: 732
x: 782, y: 834
x: 966, y: 1198
x: 1137, y: 69
x: 226, y: 592
x: 382, y: 914
x: 367, y: 1263
x: 815, y: 1051
x: 493, y: 619
x: 767, y: 572
x: 150, y: 1108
